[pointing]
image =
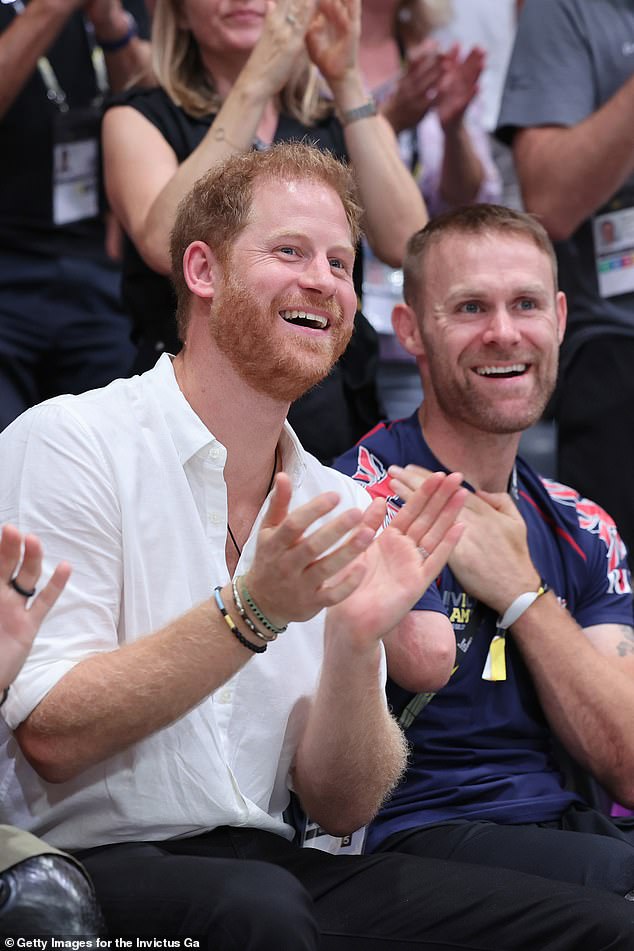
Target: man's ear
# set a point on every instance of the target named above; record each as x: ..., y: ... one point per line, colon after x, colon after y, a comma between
x: 405, y: 324
x: 561, y: 305
x: 199, y: 269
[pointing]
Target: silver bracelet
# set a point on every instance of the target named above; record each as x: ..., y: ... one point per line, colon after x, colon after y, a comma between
x: 366, y: 111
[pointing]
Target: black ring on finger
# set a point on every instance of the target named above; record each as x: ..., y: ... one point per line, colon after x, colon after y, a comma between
x: 25, y: 592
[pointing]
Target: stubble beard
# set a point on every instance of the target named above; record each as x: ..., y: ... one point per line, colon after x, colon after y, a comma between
x: 463, y: 403
x: 241, y: 328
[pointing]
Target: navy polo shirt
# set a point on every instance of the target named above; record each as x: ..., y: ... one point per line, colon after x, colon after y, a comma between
x: 481, y: 749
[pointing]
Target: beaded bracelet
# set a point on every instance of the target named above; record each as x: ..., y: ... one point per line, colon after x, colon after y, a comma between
x: 261, y: 617
x: 232, y: 626
x: 247, y: 620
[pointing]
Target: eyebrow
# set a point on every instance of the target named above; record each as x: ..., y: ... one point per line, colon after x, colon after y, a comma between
x: 467, y: 292
x: 278, y: 236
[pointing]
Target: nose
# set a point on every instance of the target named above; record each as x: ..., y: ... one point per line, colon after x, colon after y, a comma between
x: 502, y: 328
x: 317, y: 276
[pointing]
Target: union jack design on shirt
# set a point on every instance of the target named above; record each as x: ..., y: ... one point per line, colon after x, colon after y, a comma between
x: 372, y: 474
x: 596, y: 520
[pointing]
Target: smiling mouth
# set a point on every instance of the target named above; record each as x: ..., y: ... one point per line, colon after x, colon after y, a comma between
x: 504, y: 373
x: 302, y: 318
x: 246, y: 13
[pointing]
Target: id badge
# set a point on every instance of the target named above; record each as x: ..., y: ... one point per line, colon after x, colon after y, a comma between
x: 75, y: 166
x: 312, y: 836
x: 613, y: 233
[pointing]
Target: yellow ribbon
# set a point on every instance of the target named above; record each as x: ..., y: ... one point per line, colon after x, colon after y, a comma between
x: 495, y: 665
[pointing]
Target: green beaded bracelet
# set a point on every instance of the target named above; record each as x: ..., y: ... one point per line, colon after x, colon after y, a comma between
x: 262, y: 618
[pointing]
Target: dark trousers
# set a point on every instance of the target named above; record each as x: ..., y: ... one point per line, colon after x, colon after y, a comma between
x: 584, y: 847
x: 62, y: 329
x: 594, y: 408
x: 244, y: 889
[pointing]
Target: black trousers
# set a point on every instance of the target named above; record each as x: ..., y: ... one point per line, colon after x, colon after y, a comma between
x: 594, y: 407
x: 248, y: 890
x: 584, y: 847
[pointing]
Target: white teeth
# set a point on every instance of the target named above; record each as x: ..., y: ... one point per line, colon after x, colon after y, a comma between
x: 501, y: 371
x: 314, y: 320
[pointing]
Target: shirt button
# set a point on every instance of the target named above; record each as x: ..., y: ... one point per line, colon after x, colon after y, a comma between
x: 215, y: 518
x: 213, y: 453
x: 225, y: 696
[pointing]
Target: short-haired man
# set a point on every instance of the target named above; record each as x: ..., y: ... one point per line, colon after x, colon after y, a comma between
x: 160, y: 726
x: 568, y: 112
x: 537, y: 590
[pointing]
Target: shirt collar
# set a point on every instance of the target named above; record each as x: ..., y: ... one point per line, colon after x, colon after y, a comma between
x: 436, y: 466
x: 293, y: 455
x: 190, y: 434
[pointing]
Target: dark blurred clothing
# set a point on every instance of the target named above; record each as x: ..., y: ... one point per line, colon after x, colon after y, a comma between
x: 62, y: 327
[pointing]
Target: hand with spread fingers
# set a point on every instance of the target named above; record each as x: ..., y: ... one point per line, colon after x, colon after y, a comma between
x: 21, y: 609
x: 333, y: 38
x: 492, y: 560
x: 458, y: 86
x: 299, y: 568
x: 404, y: 559
x: 417, y: 87
x: 282, y: 41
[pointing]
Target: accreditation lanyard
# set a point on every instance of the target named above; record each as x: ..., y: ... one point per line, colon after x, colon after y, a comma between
x: 54, y: 91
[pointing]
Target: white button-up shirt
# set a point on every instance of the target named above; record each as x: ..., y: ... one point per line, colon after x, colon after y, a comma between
x: 126, y: 483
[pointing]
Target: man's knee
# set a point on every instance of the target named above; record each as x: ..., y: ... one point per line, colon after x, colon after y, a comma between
x: 232, y: 904
x: 48, y: 895
x: 264, y: 907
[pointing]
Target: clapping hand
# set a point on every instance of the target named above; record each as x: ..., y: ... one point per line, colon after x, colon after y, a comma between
x: 298, y: 568
x: 332, y: 40
x: 492, y: 560
x: 276, y: 53
x: 403, y: 560
x: 20, y: 568
x: 458, y: 85
x: 417, y: 87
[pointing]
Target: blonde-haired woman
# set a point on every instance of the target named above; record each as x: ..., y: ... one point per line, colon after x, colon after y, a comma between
x: 238, y: 74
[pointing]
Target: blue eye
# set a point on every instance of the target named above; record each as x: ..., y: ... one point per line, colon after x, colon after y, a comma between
x: 471, y: 307
x: 337, y: 262
x: 287, y: 250
x: 526, y: 303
